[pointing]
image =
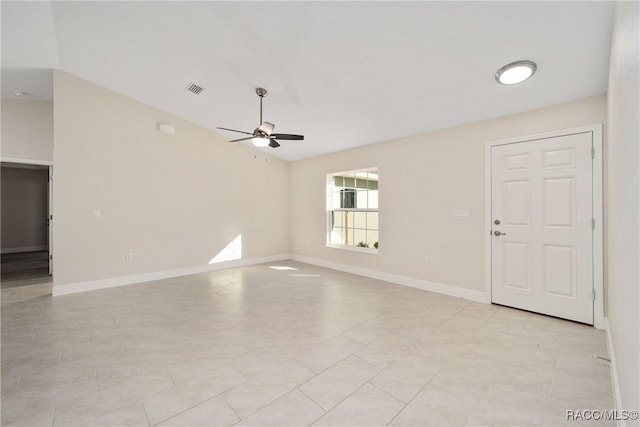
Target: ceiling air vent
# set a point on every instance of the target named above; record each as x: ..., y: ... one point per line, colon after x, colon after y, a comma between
x: 194, y: 88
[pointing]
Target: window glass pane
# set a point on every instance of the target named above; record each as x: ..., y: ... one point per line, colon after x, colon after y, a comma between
x: 372, y: 237
x: 348, y: 240
x: 372, y: 180
x: 373, y: 199
x: 348, y: 198
x: 360, y: 220
x: 349, y: 180
x: 337, y: 236
x: 360, y: 237
x: 338, y: 219
x: 335, y: 200
x: 338, y: 181
x: 361, y: 202
x: 372, y: 220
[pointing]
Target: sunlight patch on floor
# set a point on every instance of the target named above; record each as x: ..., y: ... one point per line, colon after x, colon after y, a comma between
x: 282, y: 267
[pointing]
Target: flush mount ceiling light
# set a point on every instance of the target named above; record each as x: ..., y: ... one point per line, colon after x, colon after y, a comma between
x: 516, y: 72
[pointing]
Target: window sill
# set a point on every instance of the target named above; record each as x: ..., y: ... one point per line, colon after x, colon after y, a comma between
x: 373, y: 251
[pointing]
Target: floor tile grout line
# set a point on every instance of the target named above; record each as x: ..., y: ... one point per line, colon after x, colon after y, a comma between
x: 264, y: 406
x: 343, y: 333
x: 234, y: 411
x: 15, y: 389
x: 548, y: 397
x: 484, y: 389
x: 346, y: 397
x: 146, y: 414
x: 197, y: 404
x: 324, y: 370
x: 385, y: 392
x: 414, y: 396
x: 404, y: 405
x: 315, y: 403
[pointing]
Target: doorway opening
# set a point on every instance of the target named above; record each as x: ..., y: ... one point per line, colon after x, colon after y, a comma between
x: 25, y: 255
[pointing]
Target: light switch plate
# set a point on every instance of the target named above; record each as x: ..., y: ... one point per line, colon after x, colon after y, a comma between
x: 461, y: 214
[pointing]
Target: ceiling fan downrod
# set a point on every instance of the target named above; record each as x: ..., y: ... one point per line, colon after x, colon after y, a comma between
x: 262, y: 92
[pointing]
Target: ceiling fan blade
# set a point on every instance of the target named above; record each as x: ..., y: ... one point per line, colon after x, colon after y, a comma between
x: 286, y: 136
x: 233, y: 130
x: 266, y: 127
x: 242, y: 139
x: 274, y: 144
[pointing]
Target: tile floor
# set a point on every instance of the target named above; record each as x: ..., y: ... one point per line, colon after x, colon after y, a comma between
x: 257, y: 346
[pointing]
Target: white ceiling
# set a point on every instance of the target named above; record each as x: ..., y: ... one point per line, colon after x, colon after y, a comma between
x: 344, y: 74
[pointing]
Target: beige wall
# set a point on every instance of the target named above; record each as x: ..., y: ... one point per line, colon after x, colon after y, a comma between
x: 623, y: 257
x: 24, y: 209
x: 174, y: 201
x: 422, y: 180
x: 27, y: 129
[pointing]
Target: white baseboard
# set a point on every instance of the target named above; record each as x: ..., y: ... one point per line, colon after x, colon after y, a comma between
x: 24, y: 249
x: 92, y: 285
x: 26, y: 161
x: 614, y: 373
x: 425, y: 285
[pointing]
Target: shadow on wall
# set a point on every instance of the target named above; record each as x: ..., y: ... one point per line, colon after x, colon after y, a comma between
x: 231, y: 252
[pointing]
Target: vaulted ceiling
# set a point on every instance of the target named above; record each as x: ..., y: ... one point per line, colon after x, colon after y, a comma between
x: 344, y: 74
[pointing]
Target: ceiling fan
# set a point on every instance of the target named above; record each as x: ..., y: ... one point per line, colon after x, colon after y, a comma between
x: 262, y: 135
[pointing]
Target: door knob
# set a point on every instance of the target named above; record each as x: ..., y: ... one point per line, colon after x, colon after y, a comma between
x: 497, y: 233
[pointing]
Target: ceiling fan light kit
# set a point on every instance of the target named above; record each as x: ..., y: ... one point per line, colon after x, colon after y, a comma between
x: 260, y: 141
x: 263, y: 135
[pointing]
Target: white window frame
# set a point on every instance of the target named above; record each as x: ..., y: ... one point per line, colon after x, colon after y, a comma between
x: 330, y: 209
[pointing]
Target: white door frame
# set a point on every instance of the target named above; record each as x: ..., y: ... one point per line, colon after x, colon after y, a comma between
x: 50, y: 196
x: 598, y: 256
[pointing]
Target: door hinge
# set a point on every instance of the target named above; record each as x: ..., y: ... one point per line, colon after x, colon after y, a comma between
x: 593, y: 223
x: 593, y: 294
x: 593, y: 153
x: 50, y: 256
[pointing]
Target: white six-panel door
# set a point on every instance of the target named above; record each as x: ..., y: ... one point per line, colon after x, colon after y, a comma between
x: 542, y: 236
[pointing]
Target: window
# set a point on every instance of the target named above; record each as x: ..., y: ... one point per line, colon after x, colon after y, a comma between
x: 352, y: 207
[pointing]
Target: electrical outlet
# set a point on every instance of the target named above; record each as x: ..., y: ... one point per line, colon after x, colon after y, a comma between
x: 427, y: 261
x: 128, y: 257
x: 97, y: 214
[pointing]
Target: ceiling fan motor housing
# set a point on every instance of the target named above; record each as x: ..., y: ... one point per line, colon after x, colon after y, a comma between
x: 266, y: 128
